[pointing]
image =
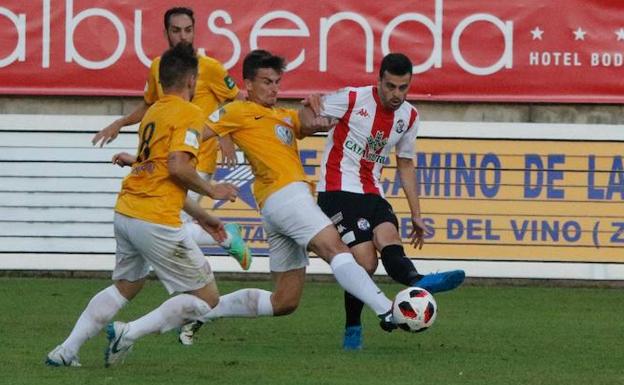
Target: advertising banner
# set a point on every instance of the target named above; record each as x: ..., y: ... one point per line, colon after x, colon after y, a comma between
x: 523, y: 51
x: 490, y: 199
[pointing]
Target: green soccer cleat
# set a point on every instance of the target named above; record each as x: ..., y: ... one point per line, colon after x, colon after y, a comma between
x: 238, y: 248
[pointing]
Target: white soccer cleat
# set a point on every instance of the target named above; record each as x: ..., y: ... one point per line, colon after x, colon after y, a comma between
x: 118, y: 346
x: 187, y: 332
x: 59, y: 357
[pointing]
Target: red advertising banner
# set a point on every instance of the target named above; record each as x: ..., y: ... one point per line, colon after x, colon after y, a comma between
x: 482, y: 50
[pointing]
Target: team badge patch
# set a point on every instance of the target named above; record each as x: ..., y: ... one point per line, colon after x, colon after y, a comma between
x: 192, y: 138
x: 216, y: 115
x: 229, y: 82
x: 400, y: 127
x: 284, y: 134
x: 363, y: 224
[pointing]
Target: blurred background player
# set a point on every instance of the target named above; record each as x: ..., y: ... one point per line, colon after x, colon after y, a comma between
x: 371, y: 121
x: 148, y: 228
x: 292, y: 220
x: 214, y: 87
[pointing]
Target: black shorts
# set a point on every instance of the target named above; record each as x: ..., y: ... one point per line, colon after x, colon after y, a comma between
x: 356, y: 215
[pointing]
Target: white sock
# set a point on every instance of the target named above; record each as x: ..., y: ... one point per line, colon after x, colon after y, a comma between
x: 202, y: 238
x: 354, y: 279
x: 242, y: 303
x: 173, y: 313
x: 100, y: 310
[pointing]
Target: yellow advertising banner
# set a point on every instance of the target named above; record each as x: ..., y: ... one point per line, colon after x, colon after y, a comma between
x: 489, y: 199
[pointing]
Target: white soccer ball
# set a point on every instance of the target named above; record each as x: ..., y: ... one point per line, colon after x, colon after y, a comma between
x: 414, y: 309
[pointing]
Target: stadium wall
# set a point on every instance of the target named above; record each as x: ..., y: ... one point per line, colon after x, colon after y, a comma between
x: 57, y: 211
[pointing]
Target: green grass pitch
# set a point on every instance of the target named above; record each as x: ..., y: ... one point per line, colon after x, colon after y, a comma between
x: 483, y: 335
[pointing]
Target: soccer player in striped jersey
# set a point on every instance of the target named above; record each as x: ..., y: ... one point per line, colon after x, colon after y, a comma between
x: 372, y: 121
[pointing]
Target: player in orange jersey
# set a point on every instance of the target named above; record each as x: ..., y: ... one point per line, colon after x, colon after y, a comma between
x: 214, y: 87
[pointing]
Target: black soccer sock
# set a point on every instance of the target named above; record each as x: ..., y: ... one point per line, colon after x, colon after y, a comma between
x: 353, y: 310
x: 398, y: 266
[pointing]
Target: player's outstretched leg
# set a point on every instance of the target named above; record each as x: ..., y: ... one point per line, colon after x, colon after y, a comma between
x: 247, y: 303
x: 442, y: 281
x: 401, y: 269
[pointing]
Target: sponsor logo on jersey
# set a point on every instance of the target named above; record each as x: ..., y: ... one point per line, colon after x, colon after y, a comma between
x: 363, y: 113
x: 284, y: 134
x: 229, y: 82
x: 365, y: 153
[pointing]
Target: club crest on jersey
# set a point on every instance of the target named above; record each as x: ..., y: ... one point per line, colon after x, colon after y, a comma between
x: 284, y: 134
x: 363, y: 224
x: 377, y: 143
x: 400, y: 127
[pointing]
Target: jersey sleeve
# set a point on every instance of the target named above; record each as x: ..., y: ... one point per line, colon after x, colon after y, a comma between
x: 221, y: 83
x: 335, y: 105
x: 405, y: 147
x: 186, y: 136
x: 150, y: 95
x: 226, y: 119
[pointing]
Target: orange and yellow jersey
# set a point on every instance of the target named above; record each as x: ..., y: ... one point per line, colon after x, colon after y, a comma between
x: 148, y: 192
x: 267, y: 136
x: 214, y: 86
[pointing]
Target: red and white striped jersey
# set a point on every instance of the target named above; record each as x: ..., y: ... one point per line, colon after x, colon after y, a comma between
x: 360, y: 144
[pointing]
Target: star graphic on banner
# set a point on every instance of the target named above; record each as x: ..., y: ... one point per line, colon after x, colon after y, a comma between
x: 242, y: 178
x: 620, y: 34
x: 537, y: 33
x: 579, y: 34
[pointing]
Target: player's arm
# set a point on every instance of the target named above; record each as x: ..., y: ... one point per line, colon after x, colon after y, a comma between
x: 312, y: 123
x: 110, y: 132
x: 123, y: 159
x: 322, y: 112
x: 182, y: 170
x: 211, y: 224
x: 228, y: 150
x: 407, y: 174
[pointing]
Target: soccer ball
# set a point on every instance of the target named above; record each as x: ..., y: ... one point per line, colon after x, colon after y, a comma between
x: 414, y: 309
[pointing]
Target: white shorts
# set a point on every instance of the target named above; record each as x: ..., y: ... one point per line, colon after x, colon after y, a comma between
x: 170, y: 251
x: 194, y: 196
x: 291, y: 218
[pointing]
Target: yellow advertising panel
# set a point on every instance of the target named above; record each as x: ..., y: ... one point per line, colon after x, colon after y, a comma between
x: 490, y: 199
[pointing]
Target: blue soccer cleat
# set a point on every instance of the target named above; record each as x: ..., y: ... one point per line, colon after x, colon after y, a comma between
x: 438, y: 282
x: 352, y: 338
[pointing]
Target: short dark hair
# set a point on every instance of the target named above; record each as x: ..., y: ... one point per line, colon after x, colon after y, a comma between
x: 176, y: 64
x: 396, y: 64
x: 178, y: 11
x: 260, y: 58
